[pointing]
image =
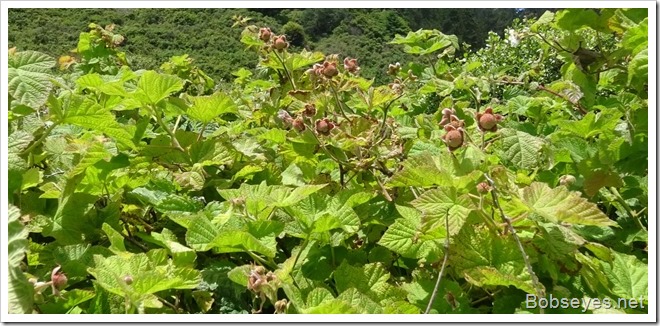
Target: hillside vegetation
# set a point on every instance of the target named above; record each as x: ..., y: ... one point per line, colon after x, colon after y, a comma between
x: 152, y: 36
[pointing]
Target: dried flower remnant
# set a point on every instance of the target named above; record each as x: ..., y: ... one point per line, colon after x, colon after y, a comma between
x: 299, y: 124
x: 58, y: 279
x: 310, y: 110
x: 265, y: 34
x: 280, y: 43
x: 487, y: 120
x: 483, y: 188
x: 329, y: 69
x: 453, y: 138
x: 350, y: 64
x: 393, y: 69
x: 285, y: 117
x: 324, y: 126
x: 566, y: 180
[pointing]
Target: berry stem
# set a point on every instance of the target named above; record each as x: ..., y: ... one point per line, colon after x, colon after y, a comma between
x: 40, y: 140
x: 286, y: 71
x: 535, y: 281
x: 444, y: 264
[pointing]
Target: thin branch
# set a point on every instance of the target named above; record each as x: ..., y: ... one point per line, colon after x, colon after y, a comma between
x: 575, y: 104
x: 414, y: 192
x: 135, y: 242
x: 201, y: 132
x: 302, y: 247
x: 261, y: 260
x: 382, y: 187
x: 442, y: 269
x: 322, y: 144
x: 167, y: 303
x: 626, y: 207
x: 385, y: 109
x: 286, y: 71
x: 535, y: 281
x: 489, y: 296
x: 341, y: 110
x: 40, y: 140
x: 162, y: 124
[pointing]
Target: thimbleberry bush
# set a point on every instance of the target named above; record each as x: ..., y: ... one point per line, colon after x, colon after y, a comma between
x: 302, y: 187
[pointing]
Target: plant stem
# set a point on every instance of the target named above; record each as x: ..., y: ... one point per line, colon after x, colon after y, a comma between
x: 442, y: 269
x: 162, y: 124
x: 261, y: 260
x: 341, y: 110
x: 302, y: 247
x: 535, y: 281
x: 176, y: 124
x: 201, y: 132
x: 575, y: 104
x: 286, y: 71
x: 633, y: 215
x: 167, y: 303
x: 332, y: 156
x: 382, y: 187
x: 40, y: 140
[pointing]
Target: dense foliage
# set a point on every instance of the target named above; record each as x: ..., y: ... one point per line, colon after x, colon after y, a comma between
x: 211, y: 37
x: 464, y: 184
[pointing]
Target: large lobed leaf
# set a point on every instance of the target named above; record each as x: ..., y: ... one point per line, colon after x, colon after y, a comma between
x: 30, y: 77
x: 207, y: 108
x: 486, y: 259
x: 561, y: 205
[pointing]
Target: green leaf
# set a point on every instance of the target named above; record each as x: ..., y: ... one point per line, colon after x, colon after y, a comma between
x: 206, y: 108
x: 522, y: 149
x: 420, y: 171
x: 561, y: 205
x: 154, y: 87
x: 69, y: 301
x: 74, y: 259
x: 424, y: 42
x: 69, y: 223
x: 116, y: 239
x: 86, y: 113
x: 420, y: 289
x: 318, y: 296
x: 334, y: 306
x: 167, y: 202
x: 559, y: 243
x: 370, y: 279
x: 93, y: 154
x: 484, y: 259
x: 260, y: 238
x: 627, y: 276
x: 341, y: 207
x: 638, y: 69
x: 546, y: 18
x: 636, y: 38
x: 20, y: 291
x: 30, y: 76
x: 149, y: 274
x: 20, y: 294
x: 201, y: 233
x: 596, y: 178
x: 209, y: 153
x: 439, y: 203
x: 17, y: 237
x: 576, y: 18
x: 361, y: 302
x: 405, y: 237
x: 593, y: 124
